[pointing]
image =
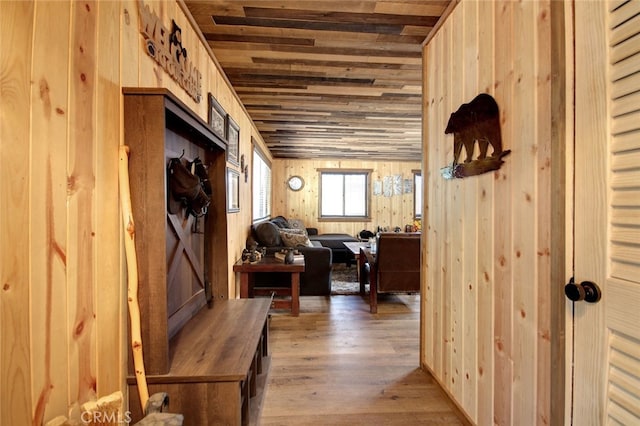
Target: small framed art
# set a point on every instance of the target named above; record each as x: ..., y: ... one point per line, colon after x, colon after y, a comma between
x: 233, y: 140
x: 217, y: 118
x: 233, y: 191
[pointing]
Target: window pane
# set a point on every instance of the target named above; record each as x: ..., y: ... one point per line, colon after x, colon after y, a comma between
x: 344, y: 194
x: 261, y: 187
x: 417, y: 193
x: 332, y: 194
x: 266, y: 184
x: 355, y: 203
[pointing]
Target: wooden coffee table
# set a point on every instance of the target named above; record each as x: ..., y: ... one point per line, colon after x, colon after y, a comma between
x: 290, y: 293
x: 354, y: 247
x: 367, y: 257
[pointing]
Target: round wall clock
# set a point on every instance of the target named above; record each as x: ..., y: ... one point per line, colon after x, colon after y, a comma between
x: 295, y: 183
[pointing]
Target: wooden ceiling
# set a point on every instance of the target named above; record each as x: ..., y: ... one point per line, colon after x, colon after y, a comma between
x: 326, y: 78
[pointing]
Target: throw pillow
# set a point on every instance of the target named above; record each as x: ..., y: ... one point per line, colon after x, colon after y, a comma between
x: 267, y: 235
x: 294, y: 238
x: 280, y: 222
x: 297, y: 224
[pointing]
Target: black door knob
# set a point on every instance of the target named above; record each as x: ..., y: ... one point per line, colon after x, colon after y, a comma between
x: 586, y: 290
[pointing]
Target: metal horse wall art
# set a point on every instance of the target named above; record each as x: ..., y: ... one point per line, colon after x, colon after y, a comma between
x: 479, y: 120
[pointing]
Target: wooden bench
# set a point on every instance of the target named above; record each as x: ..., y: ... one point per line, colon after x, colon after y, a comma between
x: 215, y: 361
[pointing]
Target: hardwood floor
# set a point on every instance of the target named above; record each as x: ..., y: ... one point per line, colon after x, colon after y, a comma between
x: 337, y: 364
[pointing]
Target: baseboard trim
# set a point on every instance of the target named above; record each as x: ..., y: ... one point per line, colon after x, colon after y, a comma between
x: 457, y: 408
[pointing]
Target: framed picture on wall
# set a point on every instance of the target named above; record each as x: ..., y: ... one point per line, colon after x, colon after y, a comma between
x: 233, y: 140
x: 217, y: 118
x: 233, y: 191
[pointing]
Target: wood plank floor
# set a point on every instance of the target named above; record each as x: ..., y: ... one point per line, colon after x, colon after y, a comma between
x: 337, y: 364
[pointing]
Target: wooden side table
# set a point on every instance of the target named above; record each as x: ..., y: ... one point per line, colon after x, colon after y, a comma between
x: 270, y: 264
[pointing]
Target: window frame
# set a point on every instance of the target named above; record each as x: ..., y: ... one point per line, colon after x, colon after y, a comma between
x: 367, y: 193
x: 259, y: 154
x: 417, y: 215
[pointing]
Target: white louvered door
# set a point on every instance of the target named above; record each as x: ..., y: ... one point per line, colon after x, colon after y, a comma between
x: 606, y: 376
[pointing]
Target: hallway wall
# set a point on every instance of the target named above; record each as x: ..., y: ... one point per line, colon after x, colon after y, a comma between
x: 63, y: 314
x: 494, y: 268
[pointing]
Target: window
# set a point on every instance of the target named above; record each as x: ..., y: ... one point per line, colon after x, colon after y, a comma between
x: 261, y: 186
x: 344, y: 194
x: 417, y: 194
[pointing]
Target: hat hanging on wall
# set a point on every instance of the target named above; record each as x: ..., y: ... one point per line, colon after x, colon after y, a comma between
x: 185, y: 190
x: 200, y: 170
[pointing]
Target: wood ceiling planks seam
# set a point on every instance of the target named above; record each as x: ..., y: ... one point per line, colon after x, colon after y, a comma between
x: 326, y: 79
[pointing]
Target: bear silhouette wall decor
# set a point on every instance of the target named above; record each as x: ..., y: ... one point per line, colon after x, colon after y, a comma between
x: 478, y: 121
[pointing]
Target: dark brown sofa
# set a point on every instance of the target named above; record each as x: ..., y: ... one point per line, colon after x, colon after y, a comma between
x: 395, y: 268
x: 340, y: 252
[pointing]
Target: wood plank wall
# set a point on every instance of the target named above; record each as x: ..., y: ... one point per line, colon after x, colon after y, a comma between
x: 63, y: 314
x: 489, y: 278
x: 389, y: 212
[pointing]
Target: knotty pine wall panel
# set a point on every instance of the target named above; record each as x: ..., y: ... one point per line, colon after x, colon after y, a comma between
x: 396, y: 210
x: 109, y: 266
x: 486, y: 323
x: 80, y: 210
x: 49, y: 123
x: 17, y: 23
x: 63, y: 313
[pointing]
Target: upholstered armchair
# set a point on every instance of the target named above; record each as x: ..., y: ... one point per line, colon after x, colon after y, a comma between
x: 394, y: 268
